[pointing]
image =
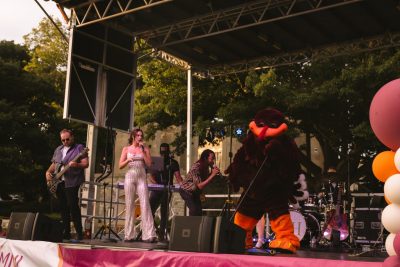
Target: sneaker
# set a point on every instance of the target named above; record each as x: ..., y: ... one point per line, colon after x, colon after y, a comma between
x: 259, y: 244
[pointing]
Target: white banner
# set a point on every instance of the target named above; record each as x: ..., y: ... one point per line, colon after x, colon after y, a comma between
x: 17, y: 253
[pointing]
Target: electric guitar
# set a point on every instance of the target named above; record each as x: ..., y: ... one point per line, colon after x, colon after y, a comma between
x: 336, y: 220
x: 56, y: 177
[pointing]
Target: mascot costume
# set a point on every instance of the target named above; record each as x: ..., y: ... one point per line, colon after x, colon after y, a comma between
x: 266, y: 166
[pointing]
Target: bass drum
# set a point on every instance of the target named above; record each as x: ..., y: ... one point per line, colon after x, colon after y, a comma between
x: 306, y: 226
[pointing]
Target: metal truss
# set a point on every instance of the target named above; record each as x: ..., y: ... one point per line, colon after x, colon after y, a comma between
x: 234, y: 18
x: 361, y: 45
x: 171, y: 59
x: 98, y: 10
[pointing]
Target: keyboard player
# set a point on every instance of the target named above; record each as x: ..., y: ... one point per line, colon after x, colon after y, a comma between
x: 164, y: 177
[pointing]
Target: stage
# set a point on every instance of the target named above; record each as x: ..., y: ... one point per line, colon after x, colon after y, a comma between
x: 102, y: 253
x: 97, y: 253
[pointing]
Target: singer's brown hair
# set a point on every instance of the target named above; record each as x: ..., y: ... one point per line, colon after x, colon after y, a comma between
x: 133, y: 134
x: 204, y: 167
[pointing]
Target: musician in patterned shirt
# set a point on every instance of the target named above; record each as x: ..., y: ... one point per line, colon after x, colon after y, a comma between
x: 67, y: 190
x: 198, y: 177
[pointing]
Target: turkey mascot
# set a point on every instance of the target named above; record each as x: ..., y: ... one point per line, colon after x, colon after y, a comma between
x: 266, y: 166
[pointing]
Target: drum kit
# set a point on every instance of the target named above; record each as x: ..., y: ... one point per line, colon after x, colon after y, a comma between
x: 311, y: 219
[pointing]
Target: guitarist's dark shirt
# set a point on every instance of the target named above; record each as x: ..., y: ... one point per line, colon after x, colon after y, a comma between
x: 73, y: 176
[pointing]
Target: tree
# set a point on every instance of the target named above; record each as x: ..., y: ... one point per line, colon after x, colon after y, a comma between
x: 27, y: 117
x: 162, y: 100
x: 329, y: 99
x: 49, y: 52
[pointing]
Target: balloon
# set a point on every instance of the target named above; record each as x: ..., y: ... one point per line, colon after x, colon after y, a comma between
x: 391, y: 218
x: 383, y: 165
x: 387, y: 200
x: 392, y: 189
x: 384, y: 114
x: 392, y: 261
x: 389, y: 245
x: 396, y: 244
x: 397, y: 159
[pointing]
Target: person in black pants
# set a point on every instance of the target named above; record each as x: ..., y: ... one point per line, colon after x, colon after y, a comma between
x: 163, y: 198
x: 200, y: 175
x: 67, y: 190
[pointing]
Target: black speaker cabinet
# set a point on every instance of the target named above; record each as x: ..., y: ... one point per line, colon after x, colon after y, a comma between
x: 367, y: 226
x: 33, y: 226
x: 20, y: 226
x: 228, y: 237
x: 192, y: 233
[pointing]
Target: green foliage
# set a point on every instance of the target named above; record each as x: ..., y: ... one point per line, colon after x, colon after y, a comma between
x: 48, y: 51
x: 27, y: 118
x: 329, y: 99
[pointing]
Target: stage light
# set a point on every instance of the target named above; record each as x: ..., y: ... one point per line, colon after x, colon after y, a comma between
x: 239, y: 131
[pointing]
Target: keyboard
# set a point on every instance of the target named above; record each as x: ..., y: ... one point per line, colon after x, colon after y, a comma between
x: 155, y: 187
x: 161, y: 187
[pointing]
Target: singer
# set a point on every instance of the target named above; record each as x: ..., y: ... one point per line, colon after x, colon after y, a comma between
x: 198, y: 178
x: 136, y: 155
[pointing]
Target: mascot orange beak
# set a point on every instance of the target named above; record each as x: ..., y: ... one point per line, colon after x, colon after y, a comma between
x: 267, y: 132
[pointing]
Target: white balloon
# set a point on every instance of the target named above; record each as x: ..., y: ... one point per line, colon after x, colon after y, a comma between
x: 391, y: 218
x: 397, y: 159
x: 392, y: 188
x: 389, y: 245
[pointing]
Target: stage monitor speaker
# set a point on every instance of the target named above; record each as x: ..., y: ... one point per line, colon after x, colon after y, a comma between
x: 20, y: 226
x: 33, y: 226
x: 192, y: 233
x: 228, y: 237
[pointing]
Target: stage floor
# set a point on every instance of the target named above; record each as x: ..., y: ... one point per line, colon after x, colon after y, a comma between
x: 157, y: 254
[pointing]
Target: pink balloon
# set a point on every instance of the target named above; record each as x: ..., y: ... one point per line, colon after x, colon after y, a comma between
x: 396, y: 244
x: 392, y: 261
x: 384, y: 114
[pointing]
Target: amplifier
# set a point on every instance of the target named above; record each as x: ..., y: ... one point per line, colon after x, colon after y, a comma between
x: 368, y: 228
x: 368, y: 200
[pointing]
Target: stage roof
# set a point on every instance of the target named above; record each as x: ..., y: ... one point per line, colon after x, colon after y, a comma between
x: 223, y: 36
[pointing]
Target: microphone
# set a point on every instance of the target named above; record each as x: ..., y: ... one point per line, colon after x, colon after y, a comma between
x: 219, y: 172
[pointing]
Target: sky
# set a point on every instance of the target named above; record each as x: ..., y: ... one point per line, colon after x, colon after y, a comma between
x: 19, y: 17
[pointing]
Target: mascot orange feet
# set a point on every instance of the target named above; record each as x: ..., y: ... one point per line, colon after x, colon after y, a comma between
x: 248, y: 224
x: 284, y: 234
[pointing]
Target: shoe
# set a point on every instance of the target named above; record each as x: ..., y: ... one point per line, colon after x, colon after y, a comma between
x: 66, y: 236
x: 259, y: 244
x: 150, y: 240
x: 129, y: 240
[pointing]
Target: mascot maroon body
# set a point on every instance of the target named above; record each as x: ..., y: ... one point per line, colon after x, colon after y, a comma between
x: 274, y: 155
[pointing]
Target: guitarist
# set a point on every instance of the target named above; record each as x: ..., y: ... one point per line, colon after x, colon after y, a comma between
x: 68, y: 188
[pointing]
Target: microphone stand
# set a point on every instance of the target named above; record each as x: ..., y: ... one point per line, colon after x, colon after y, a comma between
x: 101, y: 178
x: 226, y: 209
x: 167, y: 198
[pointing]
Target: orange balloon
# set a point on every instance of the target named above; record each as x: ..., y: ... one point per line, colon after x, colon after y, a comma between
x: 383, y: 165
x: 387, y: 200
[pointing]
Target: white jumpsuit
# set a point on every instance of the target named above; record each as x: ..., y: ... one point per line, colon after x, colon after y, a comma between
x: 136, y: 182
